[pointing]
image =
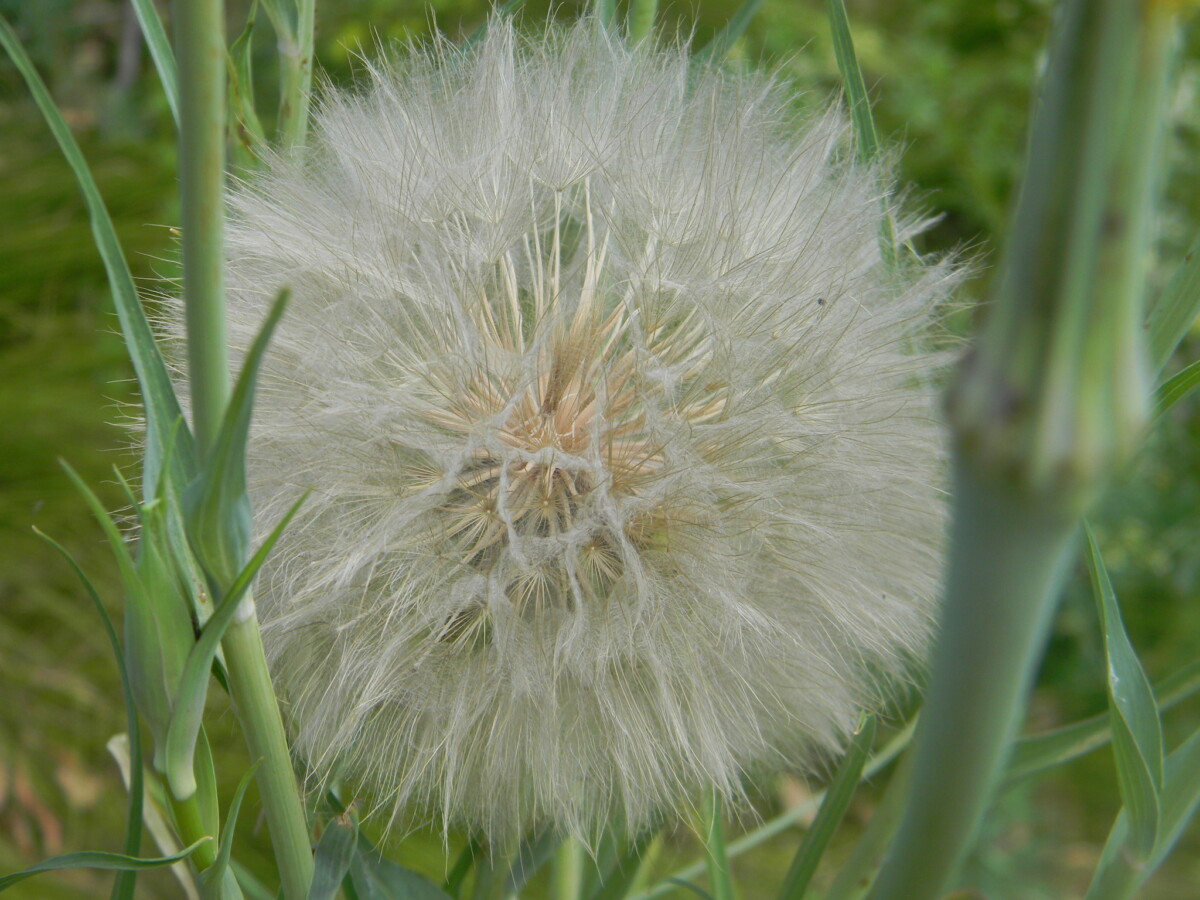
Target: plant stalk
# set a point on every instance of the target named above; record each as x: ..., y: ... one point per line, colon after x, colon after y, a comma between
x: 258, y: 715
x: 295, y: 81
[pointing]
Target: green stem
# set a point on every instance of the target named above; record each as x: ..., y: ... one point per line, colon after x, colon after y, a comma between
x: 200, y: 51
x: 189, y: 822
x: 296, y: 63
x: 1006, y: 566
x: 568, y: 870
x: 258, y: 714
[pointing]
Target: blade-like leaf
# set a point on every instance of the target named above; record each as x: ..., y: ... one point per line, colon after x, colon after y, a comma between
x: 1118, y: 875
x: 373, y: 877
x: 219, y: 872
x: 160, y: 51
x: 189, y: 700
x: 866, y: 139
x: 621, y: 874
x: 1038, y: 753
x: 94, y: 859
x: 1176, y: 388
x: 124, y: 883
x: 216, y: 505
x: 715, y: 853
x: 158, y: 395
x: 252, y: 888
x: 1136, y: 729
x: 462, y: 867
x: 837, y: 800
x: 534, y: 853
x: 334, y: 854
x: 723, y: 41
x: 249, y: 134
x: 1172, y: 315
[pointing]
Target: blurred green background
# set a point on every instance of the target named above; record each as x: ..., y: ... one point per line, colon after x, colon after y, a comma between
x: 951, y: 81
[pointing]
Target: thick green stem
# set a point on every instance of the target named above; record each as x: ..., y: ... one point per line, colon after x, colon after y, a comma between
x: 189, y: 822
x: 1007, y: 564
x: 568, y: 870
x: 200, y: 51
x: 258, y: 715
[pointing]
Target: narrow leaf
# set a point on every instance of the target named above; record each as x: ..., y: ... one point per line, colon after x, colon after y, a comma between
x: 716, y: 856
x: 534, y: 852
x: 124, y: 883
x: 249, y: 134
x: 1038, y: 753
x: 158, y: 395
x: 217, y: 507
x: 93, y: 859
x: 606, y: 12
x: 252, y: 888
x: 160, y: 51
x: 373, y: 877
x: 718, y: 48
x: 189, y: 701
x: 837, y: 800
x: 219, y: 872
x: 1172, y: 315
x: 624, y: 869
x: 462, y: 867
x: 866, y: 139
x: 1176, y: 388
x: 334, y: 854
x: 1136, y: 729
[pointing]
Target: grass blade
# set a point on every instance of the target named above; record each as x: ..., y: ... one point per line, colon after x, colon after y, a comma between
x: 335, y: 852
x: 1176, y: 388
x: 160, y: 51
x: 837, y: 800
x: 716, y: 855
x: 1172, y: 315
x: 866, y: 138
x: 248, y: 137
x: 621, y: 874
x: 94, y: 859
x: 124, y: 883
x: 718, y: 48
x: 158, y: 395
x: 1136, y: 729
x: 219, y: 872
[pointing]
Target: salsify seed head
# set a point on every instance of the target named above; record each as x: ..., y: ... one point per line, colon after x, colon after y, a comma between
x: 624, y: 466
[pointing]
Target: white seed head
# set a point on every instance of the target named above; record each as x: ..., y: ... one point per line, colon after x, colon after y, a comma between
x: 625, y: 470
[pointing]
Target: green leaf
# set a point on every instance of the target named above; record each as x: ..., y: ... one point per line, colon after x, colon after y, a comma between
x: 715, y: 855
x: 866, y: 139
x: 1172, y: 315
x: 216, y: 505
x: 334, y: 854
x: 1038, y: 753
x: 249, y: 134
x: 837, y: 800
x: 158, y: 395
x: 462, y: 867
x: 1119, y: 875
x: 1136, y: 729
x: 160, y: 51
x: 219, y: 872
x: 717, y: 49
x: 189, y: 700
x: 534, y: 852
x: 375, y: 878
x: 125, y: 882
x: 1176, y: 388
x: 94, y: 859
x: 605, y: 11
x: 621, y: 874
x: 251, y: 887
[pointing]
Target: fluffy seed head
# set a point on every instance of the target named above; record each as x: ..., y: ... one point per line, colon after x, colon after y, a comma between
x: 624, y: 468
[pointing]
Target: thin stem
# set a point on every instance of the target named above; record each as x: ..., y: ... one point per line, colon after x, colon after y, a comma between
x: 258, y: 714
x: 296, y: 63
x: 189, y: 823
x: 200, y: 50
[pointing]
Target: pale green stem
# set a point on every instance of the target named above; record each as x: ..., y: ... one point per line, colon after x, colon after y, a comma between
x: 568, y: 870
x: 641, y: 19
x: 200, y: 52
x: 258, y: 715
x: 720, y: 883
x: 189, y: 822
x: 1006, y: 567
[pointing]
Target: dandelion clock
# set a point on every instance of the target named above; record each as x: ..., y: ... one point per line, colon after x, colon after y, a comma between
x: 625, y: 472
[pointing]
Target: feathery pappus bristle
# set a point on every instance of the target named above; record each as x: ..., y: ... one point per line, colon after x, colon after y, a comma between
x: 626, y: 472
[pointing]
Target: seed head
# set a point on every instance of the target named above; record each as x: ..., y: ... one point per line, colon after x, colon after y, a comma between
x: 625, y: 476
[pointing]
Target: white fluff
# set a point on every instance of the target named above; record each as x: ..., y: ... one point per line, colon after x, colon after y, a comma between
x: 625, y: 472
